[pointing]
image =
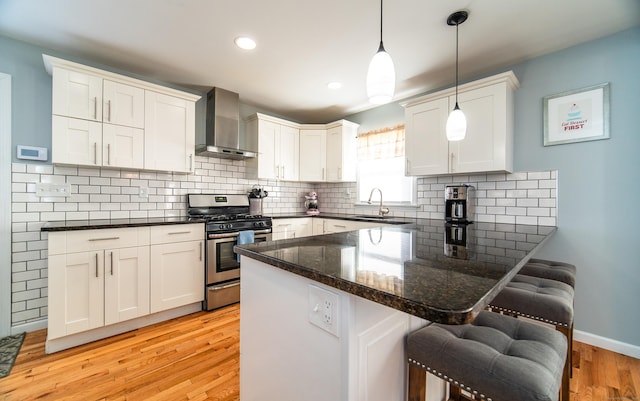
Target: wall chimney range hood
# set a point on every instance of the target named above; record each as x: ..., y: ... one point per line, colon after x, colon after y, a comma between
x: 222, y: 131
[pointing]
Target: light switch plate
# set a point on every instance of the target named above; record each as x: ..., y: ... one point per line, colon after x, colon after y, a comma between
x: 45, y: 189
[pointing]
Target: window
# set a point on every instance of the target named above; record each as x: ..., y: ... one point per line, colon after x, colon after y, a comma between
x: 381, y: 165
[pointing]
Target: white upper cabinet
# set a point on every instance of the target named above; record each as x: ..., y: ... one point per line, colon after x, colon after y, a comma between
x: 106, y: 119
x: 123, y: 104
x: 278, y: 144
x: 342, y: 151
x: 302, y: 152
x: 488, y: 144
x: 313, y: 154
x: 76, y: 94
x: 169, y: 140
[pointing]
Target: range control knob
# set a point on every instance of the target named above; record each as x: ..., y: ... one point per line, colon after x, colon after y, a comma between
x: 259, y: 224
x: 221, y: 226
x: 229, y: 226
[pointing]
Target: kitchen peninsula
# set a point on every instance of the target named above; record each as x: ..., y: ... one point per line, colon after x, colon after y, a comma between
x: 325, y: 317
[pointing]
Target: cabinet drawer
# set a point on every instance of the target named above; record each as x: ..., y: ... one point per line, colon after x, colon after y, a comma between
x: 177, y: 233
x: 93, y: 240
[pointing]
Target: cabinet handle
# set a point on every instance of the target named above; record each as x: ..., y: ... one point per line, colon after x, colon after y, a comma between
x: 407, y: 170
x: 277, y: 171
x: 179, y: 232
x: 103, y: 239
x: 283, y: 172
x: 96, y: 264
x: 111, y: 257
x: 191, y: 162
x: 200, y: 250
x: 109, y: 110
x: 95, y: 153
x: 95, y: 107
x: 109, y: 154
x: 339, y: 226
x: 451, y: 167
x: 323, y: 173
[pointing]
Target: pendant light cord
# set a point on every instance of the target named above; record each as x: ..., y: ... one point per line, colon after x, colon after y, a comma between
x: 457, y: 25
x: 381, y: 47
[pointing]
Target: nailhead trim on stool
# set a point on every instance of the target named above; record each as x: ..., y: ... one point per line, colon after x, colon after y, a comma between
x: 496, y: 357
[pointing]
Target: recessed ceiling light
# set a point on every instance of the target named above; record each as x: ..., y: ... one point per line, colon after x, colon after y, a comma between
x: 245, y: 43
x: 334, y: 85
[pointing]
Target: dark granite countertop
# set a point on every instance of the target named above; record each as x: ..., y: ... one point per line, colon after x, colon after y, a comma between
x: 71, y: 225
x: 405, y: 266
x: 342, y: 216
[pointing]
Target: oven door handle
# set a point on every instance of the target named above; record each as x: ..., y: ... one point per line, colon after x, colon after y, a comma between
x: 235, y: 234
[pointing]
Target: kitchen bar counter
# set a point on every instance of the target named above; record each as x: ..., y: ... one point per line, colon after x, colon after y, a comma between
x: 71, y: 225
x: 334, y: 310
x: 405, y: 267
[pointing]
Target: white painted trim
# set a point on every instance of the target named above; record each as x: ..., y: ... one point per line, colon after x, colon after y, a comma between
x: 5, y: 204
x: 29, y: 327
x: 607, y: 343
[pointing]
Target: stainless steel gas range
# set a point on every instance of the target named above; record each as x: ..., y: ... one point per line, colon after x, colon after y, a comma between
x: 226, y: 216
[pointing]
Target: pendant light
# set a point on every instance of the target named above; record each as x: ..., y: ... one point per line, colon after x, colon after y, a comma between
x: 381, y: 76
x: 457, y: 122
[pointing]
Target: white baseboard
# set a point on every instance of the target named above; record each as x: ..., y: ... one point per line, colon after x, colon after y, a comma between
x: 607, y: 343
x: 29, y: 327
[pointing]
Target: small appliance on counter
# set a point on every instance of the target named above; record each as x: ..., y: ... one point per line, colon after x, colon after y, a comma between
x: 455, y: 240
x: 311, y: 203
x: 256, y: 195
x: 459, y: 203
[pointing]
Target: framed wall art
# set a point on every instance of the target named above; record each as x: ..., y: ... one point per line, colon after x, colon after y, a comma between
x: 577, y: 116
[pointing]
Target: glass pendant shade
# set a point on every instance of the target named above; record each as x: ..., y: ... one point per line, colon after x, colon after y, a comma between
x: 456, y: 125
x: 381, y: 78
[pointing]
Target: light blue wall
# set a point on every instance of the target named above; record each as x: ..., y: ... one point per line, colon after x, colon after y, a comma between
x: 599, y: 181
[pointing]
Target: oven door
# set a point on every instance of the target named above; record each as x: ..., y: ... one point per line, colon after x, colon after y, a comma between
x: 222, y: 263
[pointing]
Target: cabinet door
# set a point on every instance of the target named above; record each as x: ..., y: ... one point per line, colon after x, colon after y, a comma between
x: 268, y: 135
x: 426, y: 144
x: 484, y: 146
x: 169, y: 139
x: 76, y: 293
x: 177, y: 276
x: 284, y: 229
x: 126, y: 293
x: 341, y: 155
x: 313, y: 155
x: 317, y: 226
x: 122, y: 146
x: 76, y: 141
x: 123, y: 104
x: 76, y: 94
x: 304, y: 228
x: 289, y: 153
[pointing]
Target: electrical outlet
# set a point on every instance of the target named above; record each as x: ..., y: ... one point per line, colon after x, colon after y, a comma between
x: 143, y: 192
x: 323, y: 309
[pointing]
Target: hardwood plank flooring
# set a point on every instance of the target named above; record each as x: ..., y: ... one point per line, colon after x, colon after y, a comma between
x: 197, y: 357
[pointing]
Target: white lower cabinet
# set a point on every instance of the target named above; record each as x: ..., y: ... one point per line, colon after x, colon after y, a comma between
x: 292, y: 228
x: 338, y: 226
x: 96, y: 278
x: 177, y: 257
x: 102, y: 281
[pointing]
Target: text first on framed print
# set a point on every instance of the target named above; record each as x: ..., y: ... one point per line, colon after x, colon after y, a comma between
x: 577, y: 116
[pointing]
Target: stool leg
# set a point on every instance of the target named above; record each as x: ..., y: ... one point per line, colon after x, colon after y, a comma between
x: 568, y: 332
x: 417, y: 383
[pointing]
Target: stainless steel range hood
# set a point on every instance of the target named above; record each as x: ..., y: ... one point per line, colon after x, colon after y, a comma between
x: 222, y: 133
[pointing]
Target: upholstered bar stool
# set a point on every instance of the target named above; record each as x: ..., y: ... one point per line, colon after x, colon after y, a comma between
x: 496, y: 357
x: 551, y: 270
x: 545, y: 300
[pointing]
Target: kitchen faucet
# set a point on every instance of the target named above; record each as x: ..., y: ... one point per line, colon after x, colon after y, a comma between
x: 383, y: 210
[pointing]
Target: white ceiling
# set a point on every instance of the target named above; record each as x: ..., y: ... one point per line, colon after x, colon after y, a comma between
x: 304, y: 44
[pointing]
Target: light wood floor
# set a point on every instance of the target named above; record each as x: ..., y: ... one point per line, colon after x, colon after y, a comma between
x: 197, y: 358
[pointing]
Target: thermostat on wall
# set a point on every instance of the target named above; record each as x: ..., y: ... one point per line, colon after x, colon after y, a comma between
x: 31, y: 153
